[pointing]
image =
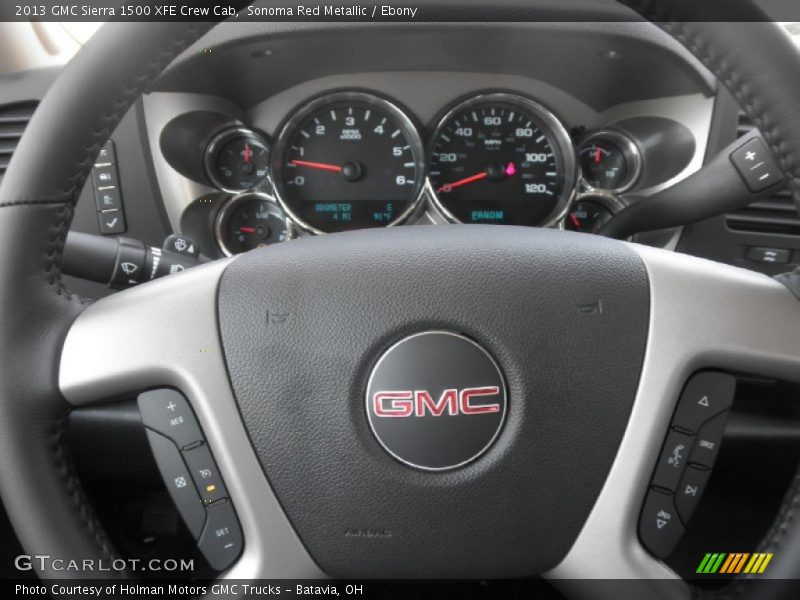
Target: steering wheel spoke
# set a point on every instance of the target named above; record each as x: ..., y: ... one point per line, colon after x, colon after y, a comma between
x: 165, y: 334
x: 703, y: 315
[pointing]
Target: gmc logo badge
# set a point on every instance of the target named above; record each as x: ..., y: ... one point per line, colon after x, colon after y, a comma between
x: 419, y: 403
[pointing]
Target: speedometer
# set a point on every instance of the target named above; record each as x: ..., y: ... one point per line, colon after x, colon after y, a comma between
x: 504, y: 159
x: 349, y: 160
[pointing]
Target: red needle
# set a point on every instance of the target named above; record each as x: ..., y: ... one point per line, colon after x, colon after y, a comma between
x: 574, y: 220
x: 316, y: 165
x: 449, y: 186
x: 248, y: 153
x: 247, y: 229
x: 597, y: 155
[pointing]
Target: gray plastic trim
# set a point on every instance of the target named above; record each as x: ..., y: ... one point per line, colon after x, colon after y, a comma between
x: 704, y: 314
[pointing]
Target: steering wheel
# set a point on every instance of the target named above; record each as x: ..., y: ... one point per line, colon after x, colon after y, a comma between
x: 536, y: 473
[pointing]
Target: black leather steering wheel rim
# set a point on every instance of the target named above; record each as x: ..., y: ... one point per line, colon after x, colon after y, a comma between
x: 37, y: 482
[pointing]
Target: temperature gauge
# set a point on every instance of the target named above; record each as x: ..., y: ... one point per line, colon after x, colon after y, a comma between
x: 237, y: 160
x: 250, y: 221
x: 591, y: 211
x: 609, y: 161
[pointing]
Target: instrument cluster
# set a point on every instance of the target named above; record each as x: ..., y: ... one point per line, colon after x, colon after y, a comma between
x: 354, y: 159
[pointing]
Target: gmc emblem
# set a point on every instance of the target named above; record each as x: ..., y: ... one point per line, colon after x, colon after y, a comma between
x: 418, y: 403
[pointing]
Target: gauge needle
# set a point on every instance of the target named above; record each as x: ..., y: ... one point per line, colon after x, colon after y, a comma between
x: 574, y: 220
x: 248, y: 153
x: 477, y: 177
x: 597, y: 155
x: 316, y: 165
x: 247, y: 229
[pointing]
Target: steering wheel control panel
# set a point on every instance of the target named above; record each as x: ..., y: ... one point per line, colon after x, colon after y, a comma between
x: 686, y: 460
x: 191, y: 475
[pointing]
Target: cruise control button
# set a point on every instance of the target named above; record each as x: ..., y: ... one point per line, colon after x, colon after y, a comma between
x: 205, y: 473
x: 221, y: 541
x: 705, y: 396
x: 692, y: 486
x: 178, y: 481
x: 660, y: 529
x: 709, y: 439
x: 673, y: 459
x: 168, y: 412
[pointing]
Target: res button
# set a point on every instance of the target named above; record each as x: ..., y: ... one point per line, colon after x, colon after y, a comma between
x: 169, y: 413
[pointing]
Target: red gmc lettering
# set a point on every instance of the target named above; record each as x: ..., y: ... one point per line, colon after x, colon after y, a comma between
x: 423, y: 400
x: 468, y: 394
x: 407, y: 403
x: 393, y: 404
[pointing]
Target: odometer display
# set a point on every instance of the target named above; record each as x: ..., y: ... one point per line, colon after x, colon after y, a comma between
x: 348, y: 161
x: 502, y: 159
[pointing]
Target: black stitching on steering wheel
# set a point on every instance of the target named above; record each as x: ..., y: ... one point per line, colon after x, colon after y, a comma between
x: 64, y: 205
x: 747, y: 98
x: 72, y: 483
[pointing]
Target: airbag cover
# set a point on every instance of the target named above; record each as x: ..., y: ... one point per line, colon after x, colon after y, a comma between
x: 565, y: 317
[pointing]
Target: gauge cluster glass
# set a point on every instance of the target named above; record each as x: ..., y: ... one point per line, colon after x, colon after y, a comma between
x: 610, y: 161
x: 354, y: 160
x: 348, y: 161
x: 237, y: 160
x: 590, y: 211
x: 501, y: 159
x: 249, y: 221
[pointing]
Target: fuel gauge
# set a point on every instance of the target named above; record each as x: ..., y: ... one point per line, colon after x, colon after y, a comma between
x: 610, y: 161
x: 250, y: 221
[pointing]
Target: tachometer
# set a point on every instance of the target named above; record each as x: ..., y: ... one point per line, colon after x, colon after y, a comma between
x: 501, y: 158
x: 349, y: 160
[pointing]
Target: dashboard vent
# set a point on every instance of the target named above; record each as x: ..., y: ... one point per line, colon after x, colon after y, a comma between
x: 13, y: 120
x: 776, y: 214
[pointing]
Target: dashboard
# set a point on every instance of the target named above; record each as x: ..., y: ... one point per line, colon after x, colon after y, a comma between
x: 426, y: 138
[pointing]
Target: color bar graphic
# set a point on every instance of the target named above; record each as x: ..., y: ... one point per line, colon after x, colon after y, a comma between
x: 734, y: 563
